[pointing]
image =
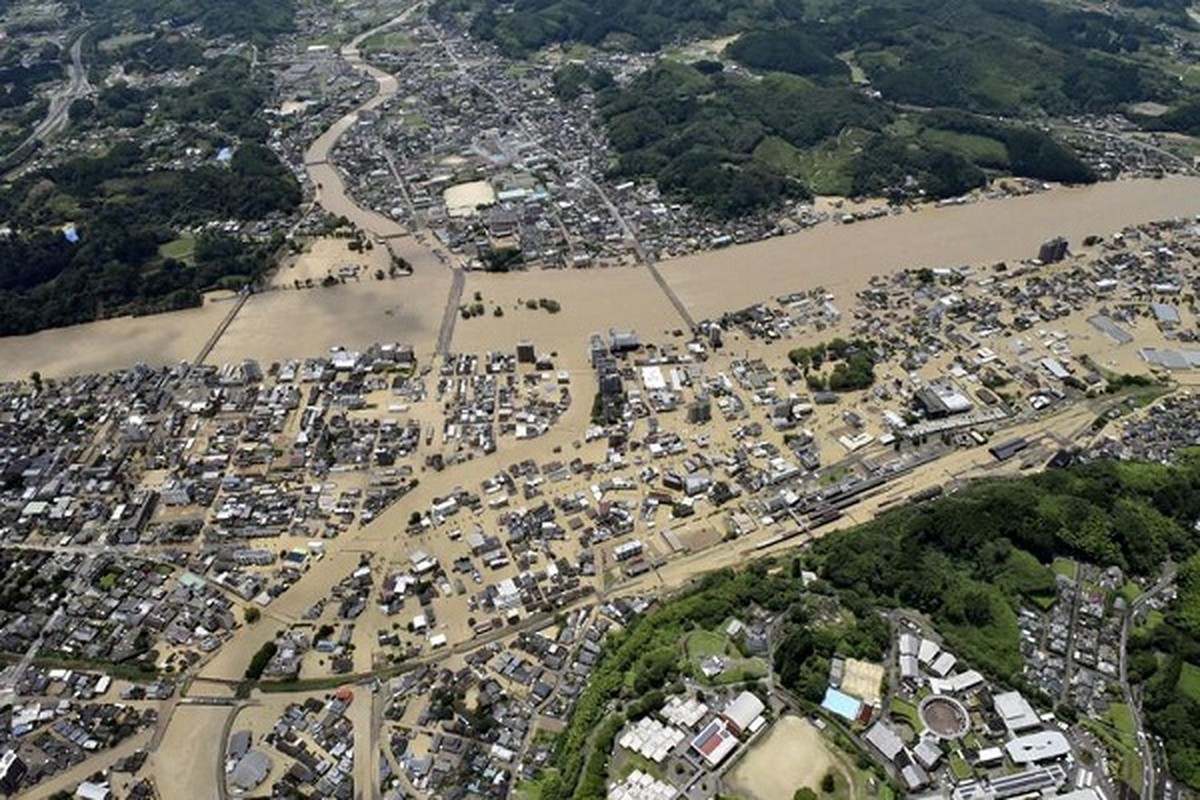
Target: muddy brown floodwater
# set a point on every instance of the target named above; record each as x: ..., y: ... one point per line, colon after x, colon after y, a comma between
x: 846, y: 256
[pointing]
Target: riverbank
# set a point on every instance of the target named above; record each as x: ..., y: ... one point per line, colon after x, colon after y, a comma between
x: 842, y: 258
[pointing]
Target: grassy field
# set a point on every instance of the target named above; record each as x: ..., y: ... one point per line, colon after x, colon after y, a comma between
x: 389, y: 41
x: 825, y: 168
x: 331, y: 40
x: 958, y: 765
x: 181, y: 249
x: 1130, y: 591
x: 123, y: 40
x: 626, y: 761
x: 1121, y: 717
x: 1065, y: 567
x: 701, y: 645
x: 1189, y: 681
x: 834, y: 474
x: 856, y: 72
x: 975, y: 148
x: 1154, y: 618
x: 1128, y: 762
x: 1116, y: 730
x: 908, y: 712
x: 829, y: 167
x: 1045, y: 603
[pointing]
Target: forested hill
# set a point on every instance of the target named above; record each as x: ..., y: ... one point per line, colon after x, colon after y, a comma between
x: 1003, y: 56
x: 839, y: 107
x: 734, y: 145
x: 972, y: 559
x: 127, y: 257
x: 141, y: 223
x: 257, y: 21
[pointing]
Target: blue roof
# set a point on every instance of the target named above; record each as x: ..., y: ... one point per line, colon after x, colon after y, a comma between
x: 842, y: 704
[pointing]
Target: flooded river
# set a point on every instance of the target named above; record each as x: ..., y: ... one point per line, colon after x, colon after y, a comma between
x: 331, y: 191
x: 283, y: 324
x: 842, y: 258
x: 845, y: 256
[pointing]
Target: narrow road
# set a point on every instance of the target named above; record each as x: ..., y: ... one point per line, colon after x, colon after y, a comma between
x: 403, y: 186
x: 1069, y: 668
x: 1145, y: 745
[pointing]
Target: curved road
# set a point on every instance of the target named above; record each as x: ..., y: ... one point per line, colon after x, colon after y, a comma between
x: 57, y: 115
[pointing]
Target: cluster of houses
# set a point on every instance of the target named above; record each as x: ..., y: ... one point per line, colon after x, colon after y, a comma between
x: 1073, y: 650
x: 1169, y: 427
x: 498, y: 402
x: 41, y: 739
x: 314, y: 738
x: 446, y: 728
x: 111, y: 608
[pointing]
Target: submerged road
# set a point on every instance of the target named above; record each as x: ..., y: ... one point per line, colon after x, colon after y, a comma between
x: 450, y: 315
x: 223, y: 326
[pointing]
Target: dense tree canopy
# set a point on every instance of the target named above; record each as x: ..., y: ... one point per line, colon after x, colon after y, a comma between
x: 88, y: 233
x: 788, y: 49
x: 252, y: 20
x: 1008, y: 56
x: 736, y: 146
x: 121, y: 216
